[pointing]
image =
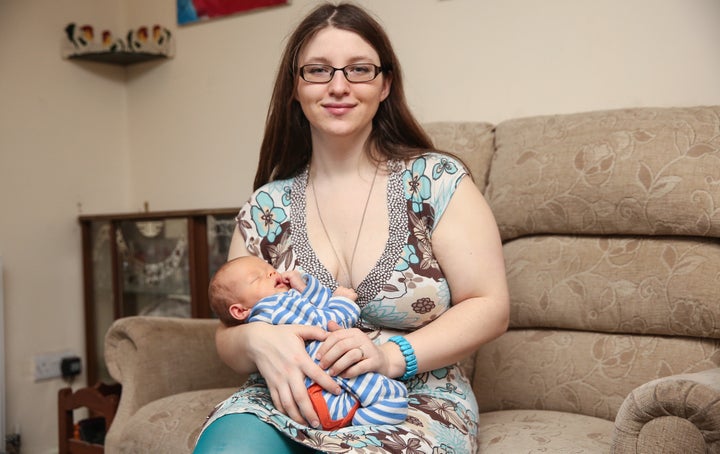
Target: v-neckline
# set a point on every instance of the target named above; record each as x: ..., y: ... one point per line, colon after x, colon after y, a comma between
x: 371, y: 284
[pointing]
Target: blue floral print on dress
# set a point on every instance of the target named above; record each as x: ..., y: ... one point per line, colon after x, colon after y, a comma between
x: 382, y: 311
x: 361, y: 442
x: 416, y: 184
x: 409, y: 256
x: 267, y: 217
x: 440, y: 419
x: 287, y: 194
x: 445, y: 165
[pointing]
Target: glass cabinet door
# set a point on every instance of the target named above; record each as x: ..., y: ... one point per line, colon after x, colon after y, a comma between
x: 150, y: 264
x: 154, y: 267
x: 220, y: 228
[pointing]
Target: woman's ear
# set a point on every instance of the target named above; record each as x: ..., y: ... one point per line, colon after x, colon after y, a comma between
x: 238, y: 312
x: 387, y: 85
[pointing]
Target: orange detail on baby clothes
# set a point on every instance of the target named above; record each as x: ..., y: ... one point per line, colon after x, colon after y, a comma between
x: 321, y: 408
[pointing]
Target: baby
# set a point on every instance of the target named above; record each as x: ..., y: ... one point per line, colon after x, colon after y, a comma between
x: 248, y: 289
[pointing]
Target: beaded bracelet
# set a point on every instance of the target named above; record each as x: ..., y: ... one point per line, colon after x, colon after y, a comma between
x: 409, y: 354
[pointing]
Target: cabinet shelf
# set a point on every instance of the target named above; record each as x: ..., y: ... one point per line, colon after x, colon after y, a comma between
x: 118, y: 58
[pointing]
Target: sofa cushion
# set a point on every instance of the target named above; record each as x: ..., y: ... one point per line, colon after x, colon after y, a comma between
x: 172, y: 424
x: 633, y: 171
x: 531, y: 431
x: 662, y: 286
x: 580, y: 372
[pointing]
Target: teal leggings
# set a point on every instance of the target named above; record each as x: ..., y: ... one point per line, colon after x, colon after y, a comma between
x: 245, y: 433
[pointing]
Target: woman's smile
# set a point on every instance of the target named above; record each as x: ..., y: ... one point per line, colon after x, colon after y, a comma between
x: 337, y: 108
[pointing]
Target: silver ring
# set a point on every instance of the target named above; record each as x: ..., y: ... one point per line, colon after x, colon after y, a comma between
x: 362, y: 353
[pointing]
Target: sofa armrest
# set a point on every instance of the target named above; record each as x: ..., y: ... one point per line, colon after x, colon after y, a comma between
x: 679, y: 413
x: 155, y: 357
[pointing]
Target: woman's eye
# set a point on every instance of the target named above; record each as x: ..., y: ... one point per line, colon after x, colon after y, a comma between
x: 317, y: 70
x: 360, y: 69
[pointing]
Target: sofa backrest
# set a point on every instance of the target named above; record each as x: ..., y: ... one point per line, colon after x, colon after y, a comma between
x: 615, y: 216
x: 611, y: 227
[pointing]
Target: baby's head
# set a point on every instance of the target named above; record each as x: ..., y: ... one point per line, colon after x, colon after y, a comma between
x: 239, y: 284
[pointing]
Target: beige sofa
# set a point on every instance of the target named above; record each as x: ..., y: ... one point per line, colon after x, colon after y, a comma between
x: 611, y: 229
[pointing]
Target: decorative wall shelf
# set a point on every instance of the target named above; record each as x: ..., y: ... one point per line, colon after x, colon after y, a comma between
x: 83, y: 42
x: 118, y: 58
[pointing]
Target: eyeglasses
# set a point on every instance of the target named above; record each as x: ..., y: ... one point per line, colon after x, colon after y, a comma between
x: 356, y: 73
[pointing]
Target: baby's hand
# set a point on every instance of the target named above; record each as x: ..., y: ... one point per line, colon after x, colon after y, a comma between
x: 346, y: 293
x: 295, y: 280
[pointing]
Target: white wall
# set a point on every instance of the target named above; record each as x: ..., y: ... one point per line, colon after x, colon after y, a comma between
x: 463, y: 60
x: 2, y: 355
x: 63, y: 142
x: 184, y: 133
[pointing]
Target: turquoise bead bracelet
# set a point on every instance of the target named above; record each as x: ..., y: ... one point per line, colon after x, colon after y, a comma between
x: 409, y: 354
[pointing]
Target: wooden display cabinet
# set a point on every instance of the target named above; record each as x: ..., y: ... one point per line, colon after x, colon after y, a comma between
x: 148, y: 264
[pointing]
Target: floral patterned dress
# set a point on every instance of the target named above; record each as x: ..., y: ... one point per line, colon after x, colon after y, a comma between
x: 404, y: 291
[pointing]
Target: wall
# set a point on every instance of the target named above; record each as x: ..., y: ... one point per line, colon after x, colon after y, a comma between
x: 184, y: 133
x: 463, y: 60
x: 63, y: 147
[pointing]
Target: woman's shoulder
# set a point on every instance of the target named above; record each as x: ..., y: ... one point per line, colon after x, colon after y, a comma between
x: 435, y: 164
x: 432, y: 157
x: 276, y: 185
x: 278, y: 190
x: 264, y: 214
x: 430, y: 180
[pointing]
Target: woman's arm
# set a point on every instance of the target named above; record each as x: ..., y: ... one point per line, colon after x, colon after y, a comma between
x: 467, y: 246
x: 278, y: 353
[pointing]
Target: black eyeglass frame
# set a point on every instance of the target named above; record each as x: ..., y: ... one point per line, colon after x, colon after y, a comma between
x: 378, y: 70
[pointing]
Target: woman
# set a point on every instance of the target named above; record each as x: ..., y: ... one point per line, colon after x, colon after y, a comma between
x: 348, y: 190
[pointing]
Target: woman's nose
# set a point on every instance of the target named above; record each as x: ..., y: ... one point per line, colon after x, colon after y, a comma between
x: 338, y: 85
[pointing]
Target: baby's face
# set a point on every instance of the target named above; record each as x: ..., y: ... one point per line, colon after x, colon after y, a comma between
x: 257, y: 279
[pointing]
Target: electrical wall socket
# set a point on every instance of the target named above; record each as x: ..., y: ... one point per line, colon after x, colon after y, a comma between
x: 47, y: 365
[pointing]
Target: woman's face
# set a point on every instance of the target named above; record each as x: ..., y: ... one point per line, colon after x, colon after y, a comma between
x: 340, y: 108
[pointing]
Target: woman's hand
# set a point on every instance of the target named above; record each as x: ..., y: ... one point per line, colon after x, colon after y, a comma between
x: 278, y: 352
x: 350, y: 352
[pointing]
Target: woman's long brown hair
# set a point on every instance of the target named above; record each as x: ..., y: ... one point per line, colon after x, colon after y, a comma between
x: 286, y: 147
